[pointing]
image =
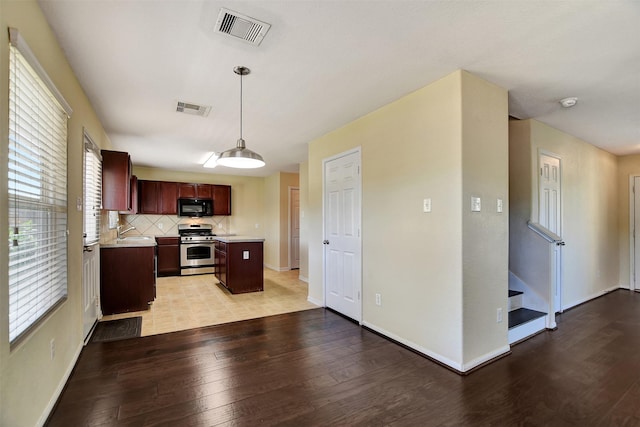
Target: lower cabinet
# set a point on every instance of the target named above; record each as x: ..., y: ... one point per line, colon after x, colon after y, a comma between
x: 168, y: 256
x: 239, y: 266
x: 127, y: 278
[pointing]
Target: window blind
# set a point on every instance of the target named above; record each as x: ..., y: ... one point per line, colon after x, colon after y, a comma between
x: 92, y: 191
x: 37, y: 184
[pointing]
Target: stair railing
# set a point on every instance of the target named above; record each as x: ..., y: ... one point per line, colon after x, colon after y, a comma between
x: 555, y: 274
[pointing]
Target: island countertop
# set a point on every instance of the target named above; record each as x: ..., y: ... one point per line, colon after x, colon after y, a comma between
x: 238, y: 239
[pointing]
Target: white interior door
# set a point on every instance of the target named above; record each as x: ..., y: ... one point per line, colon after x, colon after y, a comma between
x: 549, y: 214
x: 342, y: 241
x: 294, y: 228
x: 90, y: 287
x: 92, y: 188
x: 549, y: 197
x: 636, y: 234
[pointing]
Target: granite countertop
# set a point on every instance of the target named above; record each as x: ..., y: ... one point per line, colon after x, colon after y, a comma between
x: 235, y: 239
x: 130, y: 242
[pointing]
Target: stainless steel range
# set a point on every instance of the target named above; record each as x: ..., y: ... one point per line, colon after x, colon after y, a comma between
x: 196, y: 249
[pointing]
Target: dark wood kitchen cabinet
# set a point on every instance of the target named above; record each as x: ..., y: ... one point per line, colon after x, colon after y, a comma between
x: 194, y: 191
x: 221, y: 199
x: 127, y: 278
x: 116, y: 180
x: 239, y: 266
x: 158, y: 197
x: 168, y: 256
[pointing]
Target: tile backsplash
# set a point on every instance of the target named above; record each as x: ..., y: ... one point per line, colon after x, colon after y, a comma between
x: 167, y: 225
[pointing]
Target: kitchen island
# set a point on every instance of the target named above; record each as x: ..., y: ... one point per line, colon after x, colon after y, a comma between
x: 239, y: 263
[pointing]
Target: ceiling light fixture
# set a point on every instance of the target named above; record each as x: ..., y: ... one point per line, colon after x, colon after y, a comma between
x: 240, y: 157
x: 568, y: 102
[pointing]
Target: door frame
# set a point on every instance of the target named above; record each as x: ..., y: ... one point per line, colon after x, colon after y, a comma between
x: 632, y: 246
x: 355, y: 150
x: 557, y: 251
x: 290, y: 252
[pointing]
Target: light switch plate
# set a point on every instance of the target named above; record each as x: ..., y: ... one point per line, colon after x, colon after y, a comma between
x: 499, y: 206
x: 475, y: 204
x: 426, y: 205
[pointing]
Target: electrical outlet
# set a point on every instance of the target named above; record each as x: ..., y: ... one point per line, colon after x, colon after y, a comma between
x: 499, y: 315
x: 378, y: 300
x: 245, y: 254
x: 52, y: 348
x: 160, y: 225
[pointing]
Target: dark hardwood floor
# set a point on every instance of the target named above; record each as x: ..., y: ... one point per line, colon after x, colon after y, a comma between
x: 317, y: 368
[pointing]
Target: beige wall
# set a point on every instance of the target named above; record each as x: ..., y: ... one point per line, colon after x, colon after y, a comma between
x: 590, y: 185
x: 272, y: 221
x: 528, y: 252
x: 304, y: 228
x: 627, y: 167
x: 287, y: 181
x: 277, y: 219
x: 485, y: 234
x: 413, y: 149
x: 29, y: 380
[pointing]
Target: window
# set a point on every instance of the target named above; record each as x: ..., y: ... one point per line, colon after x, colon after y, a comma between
x: 37, y: 184
x: 92, y: 191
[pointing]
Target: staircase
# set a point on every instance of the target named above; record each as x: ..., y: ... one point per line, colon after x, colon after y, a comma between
x: 523, y: 322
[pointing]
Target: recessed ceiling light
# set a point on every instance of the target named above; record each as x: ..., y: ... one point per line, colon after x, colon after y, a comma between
x: 569, y: 102
x: 211, y: 161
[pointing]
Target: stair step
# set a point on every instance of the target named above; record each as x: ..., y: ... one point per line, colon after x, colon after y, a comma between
x: 514, y: 293
x: 523, y: 315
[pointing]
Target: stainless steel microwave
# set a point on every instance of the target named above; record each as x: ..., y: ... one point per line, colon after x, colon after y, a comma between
x: 195, y: 207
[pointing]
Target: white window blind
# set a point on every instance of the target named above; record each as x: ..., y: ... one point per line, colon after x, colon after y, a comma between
x: 92, y: 191
x: 37, y: 184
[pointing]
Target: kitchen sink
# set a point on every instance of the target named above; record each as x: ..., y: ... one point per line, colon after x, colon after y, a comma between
x: 135, y: 238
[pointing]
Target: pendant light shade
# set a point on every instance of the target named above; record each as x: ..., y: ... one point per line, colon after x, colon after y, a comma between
x: 240, y: 156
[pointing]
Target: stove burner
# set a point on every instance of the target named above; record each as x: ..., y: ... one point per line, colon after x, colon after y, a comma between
x: 193, y: 233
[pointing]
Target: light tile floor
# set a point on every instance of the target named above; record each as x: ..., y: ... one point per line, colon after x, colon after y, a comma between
x: 185, y: 302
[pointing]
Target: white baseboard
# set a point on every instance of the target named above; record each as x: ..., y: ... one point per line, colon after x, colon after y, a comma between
x: 624, y: 287
x: 317, y: 302
x: 485, y: 358
x: 274, y: 268
x: 58, y: 392
x: 590, y: 297
x: 444, y: 360
x: 304, y: 279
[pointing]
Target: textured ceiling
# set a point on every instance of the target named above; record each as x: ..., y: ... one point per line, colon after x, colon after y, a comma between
x: 325, y: 63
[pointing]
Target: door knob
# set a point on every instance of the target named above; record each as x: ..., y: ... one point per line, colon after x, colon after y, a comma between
x: 87, y: 249
x: 325, y: 242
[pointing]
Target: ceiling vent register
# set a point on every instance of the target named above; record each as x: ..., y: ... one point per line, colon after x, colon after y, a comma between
x: 193, y: 109
x: 240, y: 26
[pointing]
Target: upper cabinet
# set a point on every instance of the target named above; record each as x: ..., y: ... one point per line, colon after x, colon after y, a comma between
x: 161, y: 197
x: 158, y: 197
x: 194, y: 191
x: 221, y: 199
x: 116, y: 181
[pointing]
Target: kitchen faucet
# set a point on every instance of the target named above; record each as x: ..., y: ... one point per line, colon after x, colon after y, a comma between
x: 121, y: 232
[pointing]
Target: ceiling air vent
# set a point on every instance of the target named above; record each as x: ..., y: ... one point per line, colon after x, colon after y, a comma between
x: 193, y: 109
x: 241, y: 26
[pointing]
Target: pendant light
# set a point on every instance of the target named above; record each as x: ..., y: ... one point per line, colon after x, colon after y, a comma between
x: 240, y: 156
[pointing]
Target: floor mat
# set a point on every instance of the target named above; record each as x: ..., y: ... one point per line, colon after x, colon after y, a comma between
x: 114, y: 330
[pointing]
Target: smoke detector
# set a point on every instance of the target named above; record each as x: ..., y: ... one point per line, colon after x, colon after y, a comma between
x: 241, y: 26
x: 193, y: 109
x: 569, y: 102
